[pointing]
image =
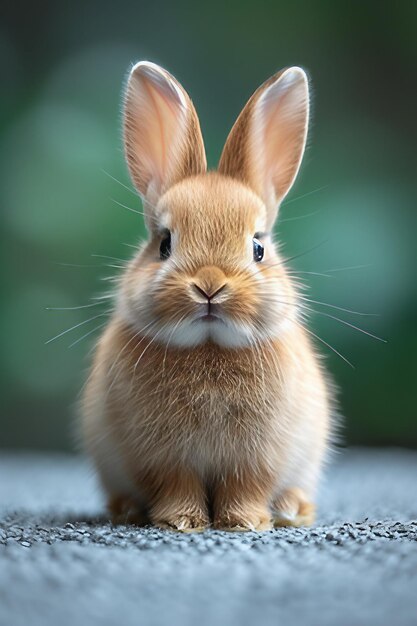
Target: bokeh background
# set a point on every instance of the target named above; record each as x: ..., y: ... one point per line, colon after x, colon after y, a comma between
x: 63, y: 67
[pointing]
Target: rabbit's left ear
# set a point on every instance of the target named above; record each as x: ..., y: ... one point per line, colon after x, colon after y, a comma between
x: 266, y: 145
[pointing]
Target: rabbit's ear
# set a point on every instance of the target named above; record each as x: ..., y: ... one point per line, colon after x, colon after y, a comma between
x: 162, y: 136
x: 265, y: 146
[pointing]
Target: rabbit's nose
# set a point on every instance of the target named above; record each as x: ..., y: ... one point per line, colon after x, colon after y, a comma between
x: 209, y: 282
x: 204, y: 293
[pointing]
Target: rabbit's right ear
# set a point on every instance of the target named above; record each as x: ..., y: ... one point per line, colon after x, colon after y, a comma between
x: 162, y: 136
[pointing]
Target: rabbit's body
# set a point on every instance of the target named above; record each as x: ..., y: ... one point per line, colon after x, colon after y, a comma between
x: 206, y: 402
x: 207, y: 413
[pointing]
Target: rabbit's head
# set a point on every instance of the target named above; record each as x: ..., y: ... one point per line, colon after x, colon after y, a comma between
x: 209, y: 271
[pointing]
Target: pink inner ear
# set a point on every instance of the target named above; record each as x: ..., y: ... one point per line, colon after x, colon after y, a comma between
x: 279, y: 128
x: 163, y: 142
x: 161, y: 81
x: 156, y: 113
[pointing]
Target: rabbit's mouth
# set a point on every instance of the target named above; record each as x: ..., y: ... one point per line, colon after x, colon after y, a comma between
x: 209, y: 317
x: 196, y: 330
x: 209, y: 313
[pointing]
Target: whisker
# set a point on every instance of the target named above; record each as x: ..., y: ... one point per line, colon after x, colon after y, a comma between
x: 297, y: 256
x: 112, y: 265
x: 112, y: 258
x: 74, y: 264
x: 105, y: 296
x: 76, y: 326
x: 124, y: 206
x: 87, y: 264
x: 169, y: 341
x: 361, y: 330
x: 304, y: 195
x: 339, y: 308
x: 132, y: 191
x: 90, y: 332
x: 267, y: 298
x: 130, y: 245
x: 352, y: 267
x: 110, y: 279
x: 152, y: 339
x: 282, y: 261
x: 139, y: 332
x: 299, y: 217
x: 328, y: 345
x: 72, y: 308
x: 291, y: 272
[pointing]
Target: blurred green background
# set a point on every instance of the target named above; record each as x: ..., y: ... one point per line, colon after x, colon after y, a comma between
x: 63, y: 67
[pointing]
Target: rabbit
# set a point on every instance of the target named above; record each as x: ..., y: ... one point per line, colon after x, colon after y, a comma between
x: 207, y: 404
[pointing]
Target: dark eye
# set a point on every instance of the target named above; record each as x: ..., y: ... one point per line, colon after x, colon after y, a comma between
x: 165, y: 247
x: 258, y: 251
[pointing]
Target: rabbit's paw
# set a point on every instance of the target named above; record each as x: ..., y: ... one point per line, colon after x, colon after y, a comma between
x: 185, y: 523
x: 125, y: 510
x: 291, y: 508
x: 241, y: 521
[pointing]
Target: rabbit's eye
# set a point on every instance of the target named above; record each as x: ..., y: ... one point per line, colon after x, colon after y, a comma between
x: 258, y: 250
x: 165, y: 247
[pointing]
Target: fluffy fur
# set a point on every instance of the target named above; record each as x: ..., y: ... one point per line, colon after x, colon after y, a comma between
x: 199, y: 421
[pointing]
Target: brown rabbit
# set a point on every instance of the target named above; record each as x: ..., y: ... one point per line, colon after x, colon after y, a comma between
x: 207, y: 403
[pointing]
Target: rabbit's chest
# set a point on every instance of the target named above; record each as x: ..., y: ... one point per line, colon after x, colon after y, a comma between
x: 205, y: 428
x: 210, y: 410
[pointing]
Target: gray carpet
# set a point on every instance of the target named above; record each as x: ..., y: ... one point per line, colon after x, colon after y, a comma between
x: 62, y: 563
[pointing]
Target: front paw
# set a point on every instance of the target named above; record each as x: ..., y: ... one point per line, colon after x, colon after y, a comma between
x: 185, y: 523
x: 241, y: 521
x: 126, y: 510
x: 292, y: 508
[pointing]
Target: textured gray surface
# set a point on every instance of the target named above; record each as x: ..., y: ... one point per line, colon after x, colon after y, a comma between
x: 62, y: 563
